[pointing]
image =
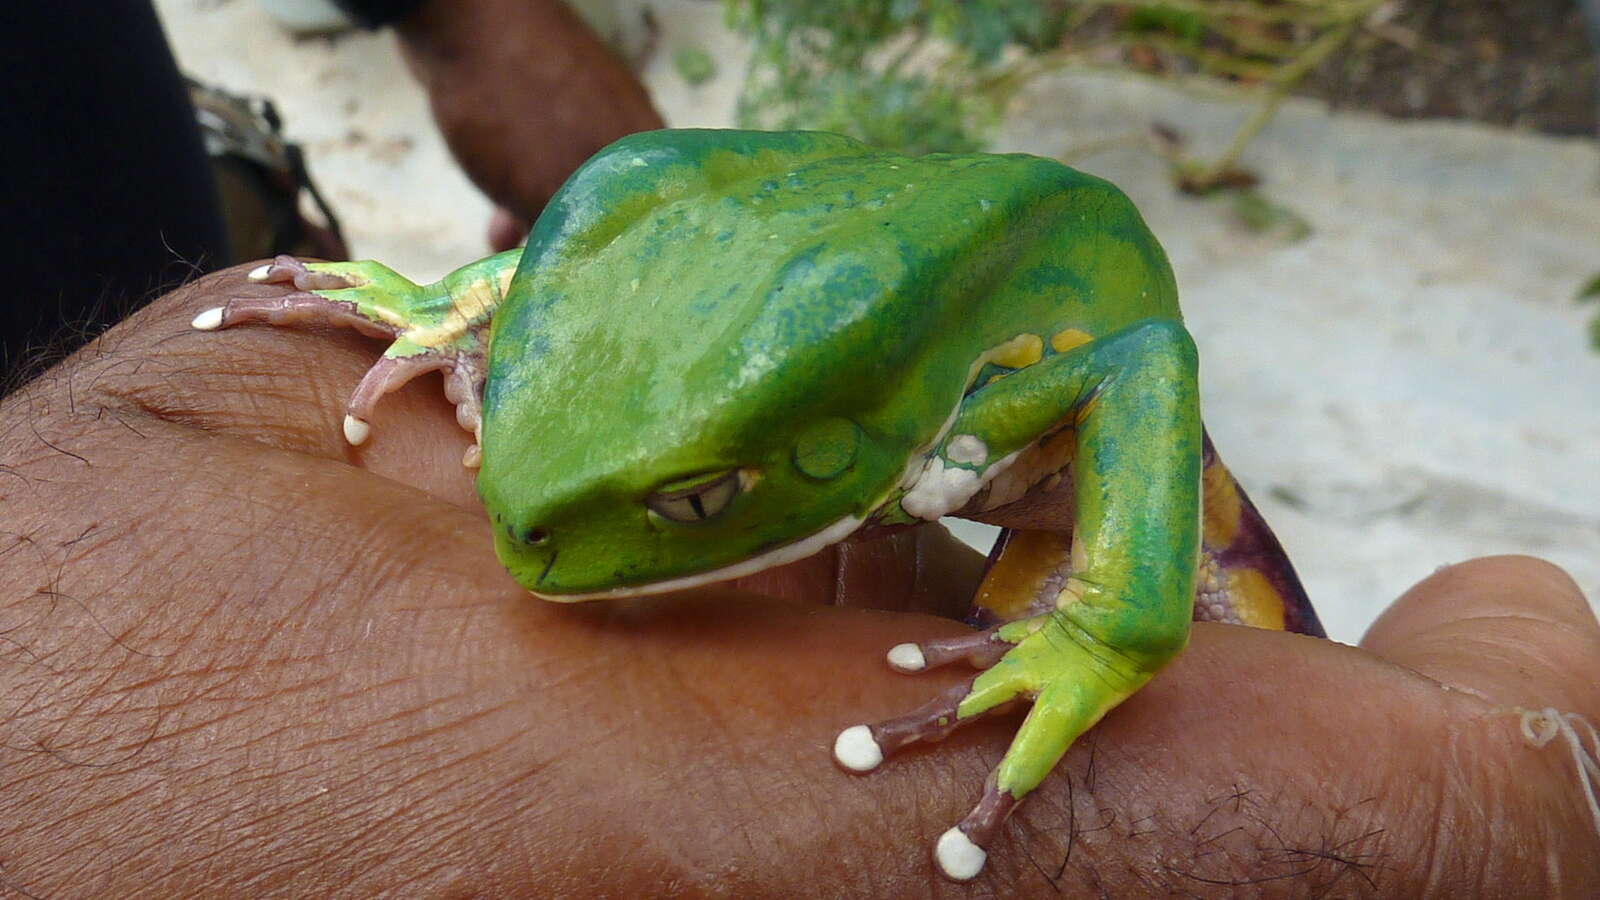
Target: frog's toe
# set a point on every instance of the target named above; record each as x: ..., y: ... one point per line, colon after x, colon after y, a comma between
x: 907, y: 658
x: 388, y: 374
x: 286, y: 269
x: 980, y: 649
x: 860, y: 748
x: 958, y: 856
x: 291, y: 309
x: 857, y: 750
x: 959, y: 852
x: 463, y: 387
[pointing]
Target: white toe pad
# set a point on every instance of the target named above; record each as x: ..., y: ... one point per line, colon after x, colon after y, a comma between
x: 855, y: 749
x: 356, y: 431
x: 958, y: 856
x: 907, y: 658
x: 210, y: 320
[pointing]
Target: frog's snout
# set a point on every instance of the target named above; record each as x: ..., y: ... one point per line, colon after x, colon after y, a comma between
x: 527, y: 535
x: 529, y: 552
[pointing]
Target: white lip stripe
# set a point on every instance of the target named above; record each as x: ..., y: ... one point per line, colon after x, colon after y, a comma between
x: 788, y: 553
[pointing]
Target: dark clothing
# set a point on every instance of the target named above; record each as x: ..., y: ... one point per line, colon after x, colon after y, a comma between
x: 107, y: 195
x: 373, y: 13
x: 108, y: 198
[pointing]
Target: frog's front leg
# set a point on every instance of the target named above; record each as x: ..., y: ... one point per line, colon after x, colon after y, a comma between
x: 1130, y: 398
x: 437, y: 327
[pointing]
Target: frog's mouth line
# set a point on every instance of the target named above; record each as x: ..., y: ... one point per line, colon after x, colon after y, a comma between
x: 788, y: 553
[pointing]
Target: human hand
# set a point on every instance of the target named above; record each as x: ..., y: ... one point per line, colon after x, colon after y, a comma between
x: 524, y: 92
x: 243, y: 657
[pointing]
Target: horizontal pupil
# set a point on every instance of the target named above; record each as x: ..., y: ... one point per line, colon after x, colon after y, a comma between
x: 696, y: 504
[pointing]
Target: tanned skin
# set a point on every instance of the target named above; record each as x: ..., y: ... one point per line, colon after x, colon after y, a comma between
x: 240, y: 657
x: 523, y: 92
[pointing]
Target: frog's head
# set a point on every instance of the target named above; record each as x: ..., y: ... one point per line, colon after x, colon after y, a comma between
x: 704, y: 365
x: 653, y: 516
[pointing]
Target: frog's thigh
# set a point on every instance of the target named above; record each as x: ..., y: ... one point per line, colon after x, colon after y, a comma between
x: 1126, y: 610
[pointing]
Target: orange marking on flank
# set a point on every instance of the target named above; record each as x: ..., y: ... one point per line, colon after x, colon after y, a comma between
x: 1221, y: 510
x: 1254, y: 599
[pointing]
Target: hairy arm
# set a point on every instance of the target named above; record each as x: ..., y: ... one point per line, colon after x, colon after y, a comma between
x: 523, y: 92
x: 237, y: 656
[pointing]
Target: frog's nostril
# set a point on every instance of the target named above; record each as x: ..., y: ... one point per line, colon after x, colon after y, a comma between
x: 533, y: 537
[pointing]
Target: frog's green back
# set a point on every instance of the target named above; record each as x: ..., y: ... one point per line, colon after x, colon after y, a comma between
x: 694, y: 301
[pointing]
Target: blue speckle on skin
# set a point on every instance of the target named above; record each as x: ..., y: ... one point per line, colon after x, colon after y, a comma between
x: 706, y: 304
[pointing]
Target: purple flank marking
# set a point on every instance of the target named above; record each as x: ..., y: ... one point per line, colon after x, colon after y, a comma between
x: 1255, y: 546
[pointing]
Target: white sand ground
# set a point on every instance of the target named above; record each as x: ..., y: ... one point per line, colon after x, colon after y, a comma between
x: 1406, y: 388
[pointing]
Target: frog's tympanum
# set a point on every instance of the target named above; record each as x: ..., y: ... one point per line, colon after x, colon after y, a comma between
x: 721, y: 351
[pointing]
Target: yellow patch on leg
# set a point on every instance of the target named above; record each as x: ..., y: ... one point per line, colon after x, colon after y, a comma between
x: 1020, y: 352
x: 1067, y: 338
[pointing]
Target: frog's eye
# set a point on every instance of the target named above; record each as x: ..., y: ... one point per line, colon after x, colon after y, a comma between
x: 697, y: 499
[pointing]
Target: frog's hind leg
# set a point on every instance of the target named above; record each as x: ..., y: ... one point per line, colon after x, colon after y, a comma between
x: 436, y: 327
x: 1244, y: 577
x: 1124, y: 612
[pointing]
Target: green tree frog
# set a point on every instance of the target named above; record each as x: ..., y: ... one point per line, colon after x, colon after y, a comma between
x: 721, y: 351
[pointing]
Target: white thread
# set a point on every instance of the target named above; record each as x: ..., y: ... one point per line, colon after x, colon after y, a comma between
x: 1540, y: 726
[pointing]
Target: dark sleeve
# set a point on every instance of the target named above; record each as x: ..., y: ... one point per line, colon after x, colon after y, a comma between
x: 106, y: 192
x: 377, y: 13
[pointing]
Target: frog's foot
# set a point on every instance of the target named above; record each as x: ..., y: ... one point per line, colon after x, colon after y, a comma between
x: 440, y: 327
x: 860, y: 748
x: 1071, y: 676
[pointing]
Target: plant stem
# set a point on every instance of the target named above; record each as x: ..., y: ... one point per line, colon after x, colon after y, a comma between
x: 1284, y: 81
x: 1320, y: 13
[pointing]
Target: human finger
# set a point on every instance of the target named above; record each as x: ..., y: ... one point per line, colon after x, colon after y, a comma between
x: 1511, y: 629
